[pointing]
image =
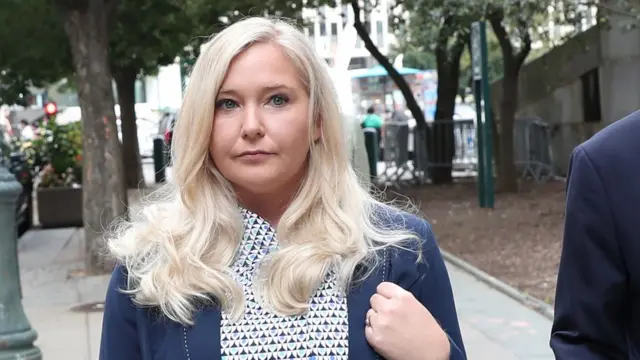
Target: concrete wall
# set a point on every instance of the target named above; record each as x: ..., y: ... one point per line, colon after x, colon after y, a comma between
x: 550, y: 86
x: 620, y: 70
x: 562, y: 108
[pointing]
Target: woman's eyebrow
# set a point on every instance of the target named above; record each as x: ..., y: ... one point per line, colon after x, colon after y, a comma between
x: 264, y: 89
x: 277, y: 87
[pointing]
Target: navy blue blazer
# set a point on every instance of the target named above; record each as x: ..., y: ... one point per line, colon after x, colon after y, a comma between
x: 597, y: 310
x: 135, y: 333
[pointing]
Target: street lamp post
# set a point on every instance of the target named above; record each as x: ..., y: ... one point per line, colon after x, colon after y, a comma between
x: 16, y: 334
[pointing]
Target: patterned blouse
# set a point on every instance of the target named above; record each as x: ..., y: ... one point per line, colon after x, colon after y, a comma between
x: 320, y: 334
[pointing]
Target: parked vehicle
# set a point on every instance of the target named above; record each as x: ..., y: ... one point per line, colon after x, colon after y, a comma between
x: 165, y: 129
x: 16, y: 163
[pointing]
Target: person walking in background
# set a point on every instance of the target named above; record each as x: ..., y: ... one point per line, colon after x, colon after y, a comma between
x: 597, y: 308
x: 372, y: 120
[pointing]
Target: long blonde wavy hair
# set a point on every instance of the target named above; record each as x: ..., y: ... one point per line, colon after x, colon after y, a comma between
x: 178, y: 250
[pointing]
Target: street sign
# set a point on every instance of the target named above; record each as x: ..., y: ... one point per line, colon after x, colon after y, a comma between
x: 476, y: 46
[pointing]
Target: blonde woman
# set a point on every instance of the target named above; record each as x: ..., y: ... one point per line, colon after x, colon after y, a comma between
x: 268, y: 247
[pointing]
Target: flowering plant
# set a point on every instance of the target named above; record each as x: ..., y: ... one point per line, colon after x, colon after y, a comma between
x: 56, y: 154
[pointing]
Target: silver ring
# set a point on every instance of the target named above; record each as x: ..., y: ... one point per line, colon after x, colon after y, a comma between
x: 367, y: 322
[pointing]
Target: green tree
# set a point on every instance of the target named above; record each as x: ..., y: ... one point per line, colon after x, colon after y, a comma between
x: 441, y: 29
x: 516, y: 25
x: 147, y: 34
x: 414, y: 56
x: 35, y: 51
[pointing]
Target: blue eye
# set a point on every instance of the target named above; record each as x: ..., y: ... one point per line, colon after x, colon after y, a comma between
x: 278, y: 100
x: 226, y: 104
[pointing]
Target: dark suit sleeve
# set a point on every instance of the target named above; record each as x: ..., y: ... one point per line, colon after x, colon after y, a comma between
x: 435, y: 291
x: 590, y: 308
x: 119, y: 326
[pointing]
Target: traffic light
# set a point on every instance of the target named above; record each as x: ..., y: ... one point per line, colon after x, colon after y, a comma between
x: 50, y: 110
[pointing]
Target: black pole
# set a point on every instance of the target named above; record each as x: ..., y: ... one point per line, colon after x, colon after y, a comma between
x: 159, y: 160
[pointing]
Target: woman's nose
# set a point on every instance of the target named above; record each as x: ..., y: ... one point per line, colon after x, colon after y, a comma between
x: 252, y: 126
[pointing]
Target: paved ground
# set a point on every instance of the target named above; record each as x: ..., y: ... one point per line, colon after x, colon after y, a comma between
x: 494, y: 326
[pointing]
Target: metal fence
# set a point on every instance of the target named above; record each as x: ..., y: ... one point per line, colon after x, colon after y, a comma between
x: 533, y: 153
x: 411, y: 155
x: 397, y: 142
x: 408, y: 157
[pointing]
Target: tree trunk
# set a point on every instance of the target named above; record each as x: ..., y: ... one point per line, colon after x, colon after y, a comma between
x: 512, y: 63
x: 496, y: 140
x: 125, y: 83
x: 104, y: 193
x: 507, y: 174
x: 441, y: 142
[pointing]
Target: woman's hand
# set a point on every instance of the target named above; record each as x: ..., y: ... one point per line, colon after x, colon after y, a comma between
x: 399, y: 327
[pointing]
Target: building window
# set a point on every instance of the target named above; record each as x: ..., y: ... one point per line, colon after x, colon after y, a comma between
x: 334, y: 33
x: 323, y: 28
x: 367, y: 23
x: 141, y: 91
x: 357, y: 63
x: 591, y: 107
x: 379, y: 33
x: 312, y: 31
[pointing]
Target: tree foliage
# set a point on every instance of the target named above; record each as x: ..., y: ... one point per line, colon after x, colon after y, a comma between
x: 145, y: 34
x: 33, y: 48
x: 441, y: 27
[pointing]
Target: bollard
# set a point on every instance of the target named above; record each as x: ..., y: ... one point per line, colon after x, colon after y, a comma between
x: 16, y: 334
x: 372, y: 145
x: 159, y: 160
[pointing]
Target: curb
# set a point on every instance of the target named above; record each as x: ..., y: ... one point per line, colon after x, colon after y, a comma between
x: 528, y: 301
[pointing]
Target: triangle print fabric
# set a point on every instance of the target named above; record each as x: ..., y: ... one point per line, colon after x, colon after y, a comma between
x: 321, y: 334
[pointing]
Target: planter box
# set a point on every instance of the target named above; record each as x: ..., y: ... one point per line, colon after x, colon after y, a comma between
x: 60, y: 207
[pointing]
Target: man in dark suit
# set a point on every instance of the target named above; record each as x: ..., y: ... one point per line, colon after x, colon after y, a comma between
x: 597, y: 310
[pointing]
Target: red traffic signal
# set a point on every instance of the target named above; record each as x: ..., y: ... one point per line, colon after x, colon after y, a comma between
x: 50, y: 108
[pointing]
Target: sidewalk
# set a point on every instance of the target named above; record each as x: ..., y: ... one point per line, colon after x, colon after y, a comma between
x: 496, y: 327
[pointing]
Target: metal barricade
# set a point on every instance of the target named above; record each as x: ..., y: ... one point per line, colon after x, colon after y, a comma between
x: 532, y: 148
x: 408, y: 157
x: 465, y: 157
x: 410, y: 153
x: 397, y: 166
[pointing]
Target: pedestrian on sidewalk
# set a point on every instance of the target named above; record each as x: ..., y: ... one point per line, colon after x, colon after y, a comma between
x: 597, y: 309
x: 268, y: 246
